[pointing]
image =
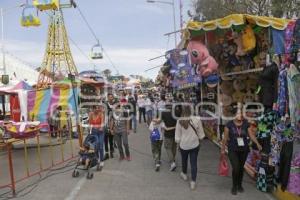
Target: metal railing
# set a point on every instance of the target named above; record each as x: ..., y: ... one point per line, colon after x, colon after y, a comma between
x: 21, y: 159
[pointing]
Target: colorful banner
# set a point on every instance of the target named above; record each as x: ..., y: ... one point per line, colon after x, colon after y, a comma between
x: 182, y: 72
x: 42, y: 103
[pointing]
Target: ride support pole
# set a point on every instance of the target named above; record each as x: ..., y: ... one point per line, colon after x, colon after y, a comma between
x: 71, y: 141
x: 51, y: 147
x: 26, y: 158
x: 11, y: 169
x: 61, y: 145
x: 39, y: 151
x: 80, y: 135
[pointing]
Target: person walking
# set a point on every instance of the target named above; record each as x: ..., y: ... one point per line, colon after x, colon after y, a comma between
x: 169, y: 136
x: 189, y: 131
x: 132, y: 102
x: 156, y: 135
x: 108, y: 137
x: 142, y: 109
x: 236, y: 134
x: 120, y: 128
x: 55, y: 123
x: 96, y: 122
x: 149, y: 102
x: 161, y: 105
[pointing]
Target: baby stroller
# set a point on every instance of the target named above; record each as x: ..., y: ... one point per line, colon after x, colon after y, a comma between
x: 89, y: 153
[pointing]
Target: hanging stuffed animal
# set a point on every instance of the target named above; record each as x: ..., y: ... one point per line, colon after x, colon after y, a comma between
x: 238, y: 41
x: 248, y: 39
x: 201, y: 58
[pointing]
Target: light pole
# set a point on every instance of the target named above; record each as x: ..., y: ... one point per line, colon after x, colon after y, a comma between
x: 2, y: 12
x: 172, y: 3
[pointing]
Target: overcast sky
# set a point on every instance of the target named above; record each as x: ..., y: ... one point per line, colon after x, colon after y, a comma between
x: 131, y: 31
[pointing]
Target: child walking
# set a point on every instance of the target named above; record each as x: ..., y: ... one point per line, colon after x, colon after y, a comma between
x: 156, y: 128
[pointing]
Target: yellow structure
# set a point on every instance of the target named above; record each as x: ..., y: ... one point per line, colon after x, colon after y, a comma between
x: 46, y: 4
x: 30, y: 20
x: 58, y: 62
x: 30, y: 16
x: 238, y: 19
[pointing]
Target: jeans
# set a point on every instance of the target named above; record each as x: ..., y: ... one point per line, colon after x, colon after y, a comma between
x: 237, y: 160
x: 133, y: 122
x: 193, y: 153
x: 122, y: 140
x: 171, y: 148
x: 142, y: 112
x: 109, y: 142
x: 156, y: 150
x: 149, y: 114
x: 100, y: 138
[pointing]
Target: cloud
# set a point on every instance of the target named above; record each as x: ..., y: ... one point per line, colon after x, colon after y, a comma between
x: 127, y: 60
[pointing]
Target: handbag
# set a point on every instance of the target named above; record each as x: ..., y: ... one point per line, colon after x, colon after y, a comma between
x: 223, y: 166
x: 196, y: 132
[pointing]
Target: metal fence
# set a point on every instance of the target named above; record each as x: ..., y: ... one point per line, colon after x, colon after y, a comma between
x: 21, y: 159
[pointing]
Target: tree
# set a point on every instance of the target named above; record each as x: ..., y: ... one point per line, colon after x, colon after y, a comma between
x: 106, y: 73
x: 212, y: 9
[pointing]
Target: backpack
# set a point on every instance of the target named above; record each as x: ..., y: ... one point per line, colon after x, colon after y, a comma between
x: 155, y: 135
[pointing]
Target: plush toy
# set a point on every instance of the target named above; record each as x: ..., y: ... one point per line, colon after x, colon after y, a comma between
x: 238, y: 41
x: 201, y: 58
x: 248, y: 39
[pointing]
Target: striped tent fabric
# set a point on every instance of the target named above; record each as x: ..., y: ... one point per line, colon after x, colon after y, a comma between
x: 41, y: 103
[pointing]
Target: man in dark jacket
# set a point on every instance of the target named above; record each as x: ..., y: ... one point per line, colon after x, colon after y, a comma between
x: 169, y: 140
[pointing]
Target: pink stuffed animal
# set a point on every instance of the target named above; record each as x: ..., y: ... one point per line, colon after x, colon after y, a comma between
x: 200, y: 56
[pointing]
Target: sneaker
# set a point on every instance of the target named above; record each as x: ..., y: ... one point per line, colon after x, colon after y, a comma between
x: 234, y: 191
x: 157, y: 167
x: 101, y: 164
x: 240, y: 189
x: 183, y: 176
x: 173, y: 167
x: 193, y: 185
x: 128, y: 158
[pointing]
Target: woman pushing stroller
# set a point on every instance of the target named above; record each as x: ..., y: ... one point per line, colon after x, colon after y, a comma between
x: 96, y: 121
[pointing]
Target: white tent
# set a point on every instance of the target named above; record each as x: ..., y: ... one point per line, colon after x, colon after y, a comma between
x: 18, y: 70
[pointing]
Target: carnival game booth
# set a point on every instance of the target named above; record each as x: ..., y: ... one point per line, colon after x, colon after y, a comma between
x: 44, y: 103
x: 256, y: 60
x: 17, y: 126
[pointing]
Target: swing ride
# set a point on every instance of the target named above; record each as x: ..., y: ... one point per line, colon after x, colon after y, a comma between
x: 58, y: 62
x: 96, y: 51
x: 46, y: 4
x: 30, y: 16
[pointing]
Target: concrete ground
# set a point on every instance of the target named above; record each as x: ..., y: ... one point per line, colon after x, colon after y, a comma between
x: 137, y: 180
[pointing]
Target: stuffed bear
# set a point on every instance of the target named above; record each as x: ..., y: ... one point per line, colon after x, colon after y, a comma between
x: 200, y: 57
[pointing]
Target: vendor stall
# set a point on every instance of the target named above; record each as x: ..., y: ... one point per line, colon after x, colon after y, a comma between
x: 258, y: 62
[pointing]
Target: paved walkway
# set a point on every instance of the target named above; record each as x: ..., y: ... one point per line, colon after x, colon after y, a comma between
x: 137, y: 180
